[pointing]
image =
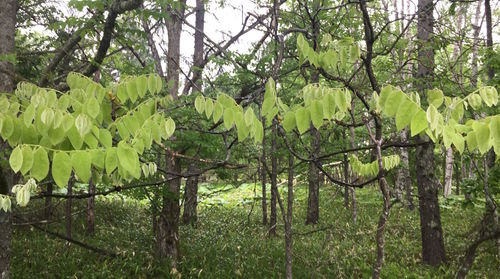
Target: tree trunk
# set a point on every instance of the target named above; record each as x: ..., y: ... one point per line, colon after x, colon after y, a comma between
x: 8, y: 10
x: 190, y: 215
x: 433, y: 252
x: 48, y: 201
x: 274, y: 179
x: 489, y: 38
x: 168, y: 221
x: 174, y: 29
x: 5, y: 230
x: 448, y: 177
x: 313, y: 198
x: 263, y: 174
x: 199, y: 37
x: 475, y: 44
x: 403, y: 178
x: 69, y: 204
x: 289, y: 217
x: 90, y: 208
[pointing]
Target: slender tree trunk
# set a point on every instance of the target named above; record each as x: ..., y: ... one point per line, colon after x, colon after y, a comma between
x: 190, y: 215
x: 475, y: 44
x: 448, y: 177
x: 69, y: 204
x: 313, y: 177
x: 289, y: 217
x: 174, y: 29
x: 433, y: 251
x: 313, y: 197
x: 168, y: 221
x: 5, y: 230
x: 199, y: 37
x: 489, y: 38
x: 48, y: 201
x: 8, y: 10
x: 346, y: 179
x: 264, y: 178
x: 274, y: 179
x: 91, y: 208
x: 403, y: 178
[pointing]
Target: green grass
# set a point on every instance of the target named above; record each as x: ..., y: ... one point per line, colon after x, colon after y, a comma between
x: 230, y: 242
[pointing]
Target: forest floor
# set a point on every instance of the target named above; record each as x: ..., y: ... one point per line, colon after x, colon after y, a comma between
x: 229, y: 240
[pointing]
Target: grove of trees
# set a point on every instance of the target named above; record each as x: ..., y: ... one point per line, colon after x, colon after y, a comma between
x: 391, y: 100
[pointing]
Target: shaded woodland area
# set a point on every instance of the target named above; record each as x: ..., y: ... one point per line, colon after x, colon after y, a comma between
x: 352, y: 138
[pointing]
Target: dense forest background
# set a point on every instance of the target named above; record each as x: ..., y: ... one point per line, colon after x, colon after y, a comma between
x: 223, y: 139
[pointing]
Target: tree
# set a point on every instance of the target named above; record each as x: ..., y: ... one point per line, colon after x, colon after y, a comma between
x: 8, y: 10
x: 433, y: 252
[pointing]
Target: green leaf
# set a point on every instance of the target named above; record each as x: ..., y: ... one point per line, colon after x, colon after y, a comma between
x: 249, y: 117
x: 258, y: 131
x: 303, y: 120
x: 27, y: 159
x: 121, y: 93
x: 433, y: 117
x: 75, y: 138
x: 316, y: 110
x: 81, y: 162
x: 482, y: 132
x: 341, y: 101
x: 83, y: 124
x: 228, y: 118
x: 142, y: 85
x: 98, y: 158
x: 105, y: 138
x: 418, y: 123
x: 111, y: 161
x: 329, y: 105
x: 218, y: 111
x: 132, y: 90
x: 93, y: 107
x: 474, y: 101
x: 289, y: 121
x: 435, y: 97
x: 495, y: 133
x: 199, y: 104
x: 16, y: 159
x: 61, y: 168
x: 393, y: 102
x: 209, y: 107
x: 29, y: 115
x: 152, y: 84
x: 489, y: 95
x: 129, y: 160
x: 170, y: 127
x: 405, y: 113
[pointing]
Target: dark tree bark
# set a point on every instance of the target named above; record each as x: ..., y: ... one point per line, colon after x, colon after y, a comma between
x: 168, y: 222
x: 190, y: 215
x: 48, y: 201
x: 313, y: 197
x: 69, y: 204
x: 8, y: 10
x: 489, y: 37
x: 90, y: 208
x: 174, y: 29
x: 433, y: 252
x: 274, y: 179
